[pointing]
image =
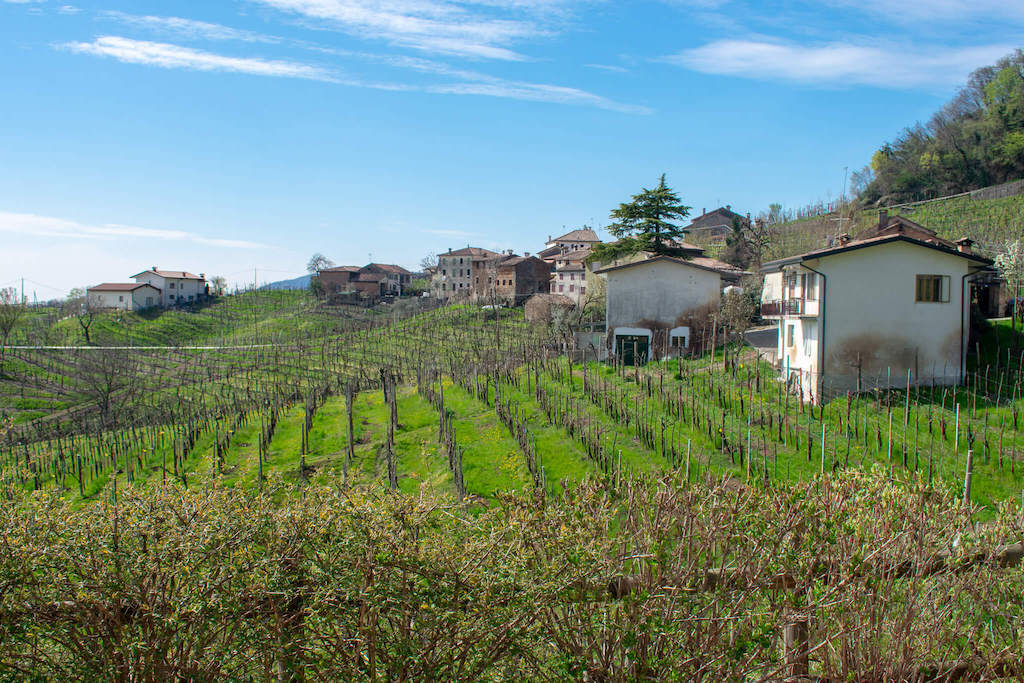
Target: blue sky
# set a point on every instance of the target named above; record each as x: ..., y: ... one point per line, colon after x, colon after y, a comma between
x: 225, y: 136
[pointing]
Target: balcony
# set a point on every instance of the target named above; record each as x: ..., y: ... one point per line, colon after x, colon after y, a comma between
x: 784, y: 307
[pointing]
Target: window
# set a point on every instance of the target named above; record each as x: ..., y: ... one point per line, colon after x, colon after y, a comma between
x: 810, y: 286
x: 790, y: 335
x: 583, y: 290
x: 170, y: 286
x: 444, y: 272
x: 120, y: 298
x: 932, y: 289
x: 561, y: 288
x: 572, y: 287
x: 678, y: 341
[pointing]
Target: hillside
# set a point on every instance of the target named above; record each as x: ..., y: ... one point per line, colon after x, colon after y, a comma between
x: 991, y: 223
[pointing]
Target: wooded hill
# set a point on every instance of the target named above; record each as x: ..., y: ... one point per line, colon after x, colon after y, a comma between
x: 975, y: 140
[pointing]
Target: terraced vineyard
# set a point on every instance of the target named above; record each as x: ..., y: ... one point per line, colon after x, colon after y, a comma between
x: 472, y: 402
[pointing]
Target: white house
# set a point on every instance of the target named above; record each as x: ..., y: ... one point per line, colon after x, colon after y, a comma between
x: 654, y: 304
x: 890, y: 307
x: 125, y: 296
x: 177, y: 287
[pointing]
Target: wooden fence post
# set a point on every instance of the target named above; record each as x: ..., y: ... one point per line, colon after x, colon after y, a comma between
x: 796, y: 655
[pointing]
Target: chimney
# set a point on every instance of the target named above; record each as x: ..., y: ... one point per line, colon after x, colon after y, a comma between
x: 963, y: 245
x: 154, y: 269
x: 703, y: 212
x: 202, y: 275
x: 526, y: 254
x: 883, y: 218
x: 844, y: 239
x: 728, y: 207
x: 549, y: 238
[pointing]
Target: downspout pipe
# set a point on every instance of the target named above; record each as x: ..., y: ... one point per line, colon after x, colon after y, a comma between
x: 821, y: 337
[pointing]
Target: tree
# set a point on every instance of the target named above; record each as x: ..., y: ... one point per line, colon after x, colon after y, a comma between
x: 647, y: 223
x: 429, y: 261
x: 218, y: 285
x: 11, y: 309
x: 737, y: 309
x: 110, y: 378
x: 318, y: 262
x: 76, y: 306
x: 738, y: 250
x: 1010, y: 264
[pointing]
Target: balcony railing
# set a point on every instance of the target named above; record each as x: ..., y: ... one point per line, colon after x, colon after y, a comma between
x: 783, y: 307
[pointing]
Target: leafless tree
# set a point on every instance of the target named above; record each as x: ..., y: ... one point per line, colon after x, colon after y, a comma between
x: 111, y: 378
x: 318, y: 262
x: 11, y: 309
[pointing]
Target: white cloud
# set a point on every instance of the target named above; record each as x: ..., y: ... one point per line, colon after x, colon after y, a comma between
x: 439, y: 26
x: 34, y: 225
x: 839, y: 64
x: 190, y: 28
x: 931, y: 11
x: 170, y: 56
x: 608, y: 67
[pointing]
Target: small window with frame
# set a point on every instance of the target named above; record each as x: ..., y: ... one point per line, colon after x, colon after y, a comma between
x: 932, y: 289
x: 790, y: 336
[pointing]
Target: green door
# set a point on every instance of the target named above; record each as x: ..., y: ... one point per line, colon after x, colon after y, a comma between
x: 632, y: 349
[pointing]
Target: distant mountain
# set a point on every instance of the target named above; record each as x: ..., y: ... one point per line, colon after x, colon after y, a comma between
x: 301, y: 282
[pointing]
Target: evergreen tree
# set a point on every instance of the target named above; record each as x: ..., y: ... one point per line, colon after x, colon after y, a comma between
x: 648, y: 223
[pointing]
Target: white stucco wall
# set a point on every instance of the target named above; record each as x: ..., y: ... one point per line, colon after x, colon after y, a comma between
x: 872, y: 319
x: 183, y: 288
x: 658, y: 291
x: 136, y: 300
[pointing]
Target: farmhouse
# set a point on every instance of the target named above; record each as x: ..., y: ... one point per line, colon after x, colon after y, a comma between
x: 396, y: 278
x: 890, y: 307
x: 338, y: 278
x: 176, y: 287
x: 713, y: 226
x: 510, y: 278
x: 454, y: 276
x: 125, y: 296
x: 584, y: 238
x: 655, y: 303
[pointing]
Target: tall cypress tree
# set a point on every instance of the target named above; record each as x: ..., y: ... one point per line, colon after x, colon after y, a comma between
x: 648, y: 223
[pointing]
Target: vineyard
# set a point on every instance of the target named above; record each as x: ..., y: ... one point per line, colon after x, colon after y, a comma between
x: 991, y: 223
x: 518, y: 513
x: 473, y: 402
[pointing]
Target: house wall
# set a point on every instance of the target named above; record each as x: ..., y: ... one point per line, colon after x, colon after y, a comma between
x: 658, y: 294
x: 873, y: 321
x: 454, y: 277
x: 124, y: 300
x: 532, y: 276
x: 336, y: 281
x: 117, y: 300
x: 174, y: 291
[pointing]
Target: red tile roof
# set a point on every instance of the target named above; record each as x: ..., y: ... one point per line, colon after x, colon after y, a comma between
x: 581, y: 235
x: 176, y: 274
x: 120, y: 287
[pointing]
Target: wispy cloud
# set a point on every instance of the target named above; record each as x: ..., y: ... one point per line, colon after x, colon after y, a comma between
x: 189, y: 28
x: 171, y: 56
x: 933, y: 11
x: 608, y: 67
x: 34, y: 225
x: 465, y: 82
x: 469, y: 29
x: 839, y: 64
